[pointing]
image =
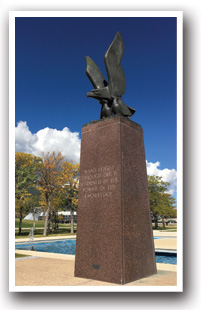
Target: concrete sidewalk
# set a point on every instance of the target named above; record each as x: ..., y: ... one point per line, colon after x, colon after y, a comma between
x: 43, y: 271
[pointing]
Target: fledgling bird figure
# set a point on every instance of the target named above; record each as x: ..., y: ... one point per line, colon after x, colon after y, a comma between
x: 109, y: 93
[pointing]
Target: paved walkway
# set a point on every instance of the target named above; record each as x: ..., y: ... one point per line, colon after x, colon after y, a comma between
x: 43, y: 271
x: 50, y: 269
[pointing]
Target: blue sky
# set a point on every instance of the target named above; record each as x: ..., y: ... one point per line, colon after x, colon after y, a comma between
x: 51, y: 83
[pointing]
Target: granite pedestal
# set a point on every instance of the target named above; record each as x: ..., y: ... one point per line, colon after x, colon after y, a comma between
x: 114, y: 230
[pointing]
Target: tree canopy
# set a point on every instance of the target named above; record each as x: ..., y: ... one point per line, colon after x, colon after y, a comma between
x: 69, y: 192
x: 161, y: 202
x: 58, y: 181
x: 48, y: 181
x: 26, y: 175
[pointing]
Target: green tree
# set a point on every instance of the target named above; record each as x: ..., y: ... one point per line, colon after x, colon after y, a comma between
x: 162, y: 204
x: 69, y: 192
x: 50, y: 182
x: 26, y: 174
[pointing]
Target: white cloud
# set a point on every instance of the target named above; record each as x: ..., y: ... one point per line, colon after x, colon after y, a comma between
x: 24, y: 139
x: 166, y: 174
x: 47, y: 140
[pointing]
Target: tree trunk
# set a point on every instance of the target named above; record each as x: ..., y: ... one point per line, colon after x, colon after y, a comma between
x: 52, y: 220
x: 48, y: 225
x: 54, y: 226
x: 156, y: 222
x: 46, y: 219
x: 163, y: 221
x: 57, y: 222
x: 34, y: 222
x: 72, y: 219
x: 20, y: 222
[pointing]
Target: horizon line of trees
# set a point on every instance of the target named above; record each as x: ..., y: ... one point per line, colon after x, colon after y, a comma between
x: 50, y: 183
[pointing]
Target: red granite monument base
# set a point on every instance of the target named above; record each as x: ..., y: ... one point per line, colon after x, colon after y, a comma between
x: 114, y: 230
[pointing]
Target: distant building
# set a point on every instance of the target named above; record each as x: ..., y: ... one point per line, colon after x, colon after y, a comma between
x: 40, y: 216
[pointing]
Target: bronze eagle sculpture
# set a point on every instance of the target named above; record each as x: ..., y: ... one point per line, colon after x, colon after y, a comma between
x: 109, y: 93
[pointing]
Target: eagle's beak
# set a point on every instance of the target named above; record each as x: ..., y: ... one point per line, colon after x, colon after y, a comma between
x: 90, y: 94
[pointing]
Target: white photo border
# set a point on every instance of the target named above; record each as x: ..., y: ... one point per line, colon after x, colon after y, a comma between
x: 179, y: 16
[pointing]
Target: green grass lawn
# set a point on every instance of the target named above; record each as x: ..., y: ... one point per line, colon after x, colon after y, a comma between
x: 28, y: 224
x: 172, y: 228
x: 63, y: 230
x: 20, y: 255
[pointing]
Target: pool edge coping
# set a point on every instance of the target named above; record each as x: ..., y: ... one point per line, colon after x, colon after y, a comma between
x: 160, y: 266
x: 45, y: 238
x: 155, y: 234
x: 46, y: 254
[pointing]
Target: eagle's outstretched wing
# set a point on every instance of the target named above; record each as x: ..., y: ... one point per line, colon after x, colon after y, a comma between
x: 109, y: 94
x: 94, y: 74
x: 116, y: 77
